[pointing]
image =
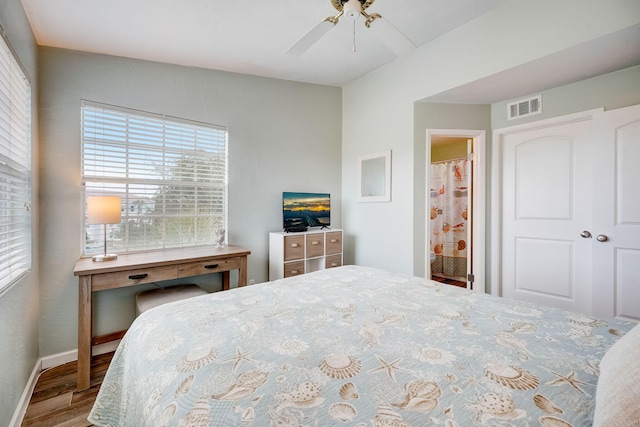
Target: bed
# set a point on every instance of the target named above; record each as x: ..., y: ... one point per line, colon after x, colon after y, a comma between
x: 361, y: 347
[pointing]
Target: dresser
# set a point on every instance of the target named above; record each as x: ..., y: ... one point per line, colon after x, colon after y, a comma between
x: 291, y: 254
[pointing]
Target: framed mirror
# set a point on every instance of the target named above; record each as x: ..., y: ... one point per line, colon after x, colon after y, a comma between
x: 374, y: 177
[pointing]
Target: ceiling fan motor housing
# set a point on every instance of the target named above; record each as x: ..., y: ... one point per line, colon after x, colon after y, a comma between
x: 352, y: 9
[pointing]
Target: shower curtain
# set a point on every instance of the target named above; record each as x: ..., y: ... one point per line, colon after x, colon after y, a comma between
x: 449, y: 185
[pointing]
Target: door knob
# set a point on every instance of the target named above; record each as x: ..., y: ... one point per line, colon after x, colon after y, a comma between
x: 602, y: 238
x: 585, y: 234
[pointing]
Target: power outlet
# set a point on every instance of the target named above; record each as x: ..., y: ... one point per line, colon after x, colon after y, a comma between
x: 252, y: 281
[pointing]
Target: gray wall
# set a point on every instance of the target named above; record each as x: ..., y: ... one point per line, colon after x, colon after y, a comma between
x: 19, y: 304
x: 283, y: 136
x: 438, y: 116
x: 609, y: 91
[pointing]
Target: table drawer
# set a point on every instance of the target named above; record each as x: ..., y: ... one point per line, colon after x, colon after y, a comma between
x: 208, y: 266
x: 333, y: 261
x: 334, y: 242
x: 293, y: 247
x: 293, y: 268
x: 315, y: 245
x: 119, y: 279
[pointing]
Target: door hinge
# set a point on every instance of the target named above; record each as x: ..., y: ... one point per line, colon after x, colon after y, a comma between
x: 470, y: 278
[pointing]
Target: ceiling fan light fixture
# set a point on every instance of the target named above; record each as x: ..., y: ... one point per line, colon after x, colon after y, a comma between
x: 352, y: 9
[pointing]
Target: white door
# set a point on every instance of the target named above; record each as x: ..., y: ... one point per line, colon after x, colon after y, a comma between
x: 616, y: 214
x: 546, y: 198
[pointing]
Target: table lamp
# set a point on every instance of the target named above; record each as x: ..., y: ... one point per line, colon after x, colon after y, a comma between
x: 104, y: 210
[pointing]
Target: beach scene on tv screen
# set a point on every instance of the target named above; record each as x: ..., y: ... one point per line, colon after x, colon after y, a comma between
x: 306, y: 209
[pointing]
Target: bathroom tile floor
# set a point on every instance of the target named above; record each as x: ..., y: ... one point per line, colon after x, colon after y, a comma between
x: 449, y: 281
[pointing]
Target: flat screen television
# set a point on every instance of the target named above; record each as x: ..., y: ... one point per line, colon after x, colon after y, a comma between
x: 303, y: 210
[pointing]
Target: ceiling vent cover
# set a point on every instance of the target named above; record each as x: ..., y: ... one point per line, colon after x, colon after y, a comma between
x: 524, y: 108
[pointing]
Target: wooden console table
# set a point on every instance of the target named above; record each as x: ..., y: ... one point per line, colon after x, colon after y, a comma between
x: 148, y: 267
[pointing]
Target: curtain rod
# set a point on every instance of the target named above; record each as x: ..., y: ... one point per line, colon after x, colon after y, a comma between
x: 449, y: 160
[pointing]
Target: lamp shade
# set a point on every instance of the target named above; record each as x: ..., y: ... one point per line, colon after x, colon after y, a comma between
x: 104, y: 209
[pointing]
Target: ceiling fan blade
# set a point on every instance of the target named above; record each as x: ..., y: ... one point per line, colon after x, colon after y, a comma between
x: 310, y: 38
x: 392, y: 37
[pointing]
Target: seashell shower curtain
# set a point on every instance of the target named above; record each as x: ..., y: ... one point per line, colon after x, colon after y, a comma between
x: 449, y: 184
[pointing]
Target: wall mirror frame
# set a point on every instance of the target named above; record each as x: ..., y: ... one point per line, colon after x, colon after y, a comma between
x: 374, y: 177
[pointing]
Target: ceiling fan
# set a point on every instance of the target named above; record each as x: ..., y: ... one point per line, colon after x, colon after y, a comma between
x: 352, y: 9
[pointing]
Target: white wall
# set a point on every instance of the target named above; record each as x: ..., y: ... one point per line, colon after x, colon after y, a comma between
x: 283, y: 136
x: 439, y: 116
x: 19, y: 304
x: 378, y: 108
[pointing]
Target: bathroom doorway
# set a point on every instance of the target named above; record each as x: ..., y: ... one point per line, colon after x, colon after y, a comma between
x: 455, y: 212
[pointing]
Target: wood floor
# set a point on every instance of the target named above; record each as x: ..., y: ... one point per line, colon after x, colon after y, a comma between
x: 55, y: 400
x: 453, y: 282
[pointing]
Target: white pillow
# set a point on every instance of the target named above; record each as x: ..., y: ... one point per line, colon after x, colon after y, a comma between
x: 618, y: 391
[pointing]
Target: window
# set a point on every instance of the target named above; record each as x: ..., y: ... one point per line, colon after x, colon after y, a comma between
x: 15, y: 168
x: 171, y: 175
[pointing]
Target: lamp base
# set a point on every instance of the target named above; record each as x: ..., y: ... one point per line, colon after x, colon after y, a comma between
x: 105, y: 257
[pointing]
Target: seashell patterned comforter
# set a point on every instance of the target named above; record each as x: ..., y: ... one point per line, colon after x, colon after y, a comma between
x: 355, y: 346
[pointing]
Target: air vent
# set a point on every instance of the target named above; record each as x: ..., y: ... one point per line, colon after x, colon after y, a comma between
x: 524, y: 108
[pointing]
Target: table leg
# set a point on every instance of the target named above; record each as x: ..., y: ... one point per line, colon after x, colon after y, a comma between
x: 225, y: 280
x: 242, y: 274
x: 84, y: 332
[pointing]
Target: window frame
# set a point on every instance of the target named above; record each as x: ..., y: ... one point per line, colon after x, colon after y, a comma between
x: 213, y: 188
x: 16, y: 117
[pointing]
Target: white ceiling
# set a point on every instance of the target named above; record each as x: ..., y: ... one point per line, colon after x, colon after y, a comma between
x: 252, y: 36
x: 243, y: 36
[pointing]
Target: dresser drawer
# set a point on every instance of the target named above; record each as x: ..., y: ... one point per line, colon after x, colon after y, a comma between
x: 132, y: 277
x: 293, y: 247
x: 207, y: 266
x: 293, y: 268
x: 334, y: 242
x: 315, y: 245
x: 333, y: 261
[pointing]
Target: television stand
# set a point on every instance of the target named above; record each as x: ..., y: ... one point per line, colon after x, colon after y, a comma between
x: 299, y: 253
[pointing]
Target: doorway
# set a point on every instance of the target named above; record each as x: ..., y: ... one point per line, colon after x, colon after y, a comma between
x: 455, y: 207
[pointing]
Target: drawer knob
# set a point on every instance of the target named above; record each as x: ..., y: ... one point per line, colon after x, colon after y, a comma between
x: 294, y: 271
x: 210, y: 266
x: 315, y: 242
x: 334, y: 240
x: 334, y: 264
x: 138, y: 276
x: 294, y: 245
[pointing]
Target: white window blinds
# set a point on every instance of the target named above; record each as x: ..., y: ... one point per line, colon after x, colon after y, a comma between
x: 15, y: 168
x: 170, y: 173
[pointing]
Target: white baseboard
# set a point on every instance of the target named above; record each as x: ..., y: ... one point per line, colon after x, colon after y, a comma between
x: 107, y: 347
x: 49, y: 362
x: 58, y: 359
x: 70, y: 356
x: 23, y: 403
